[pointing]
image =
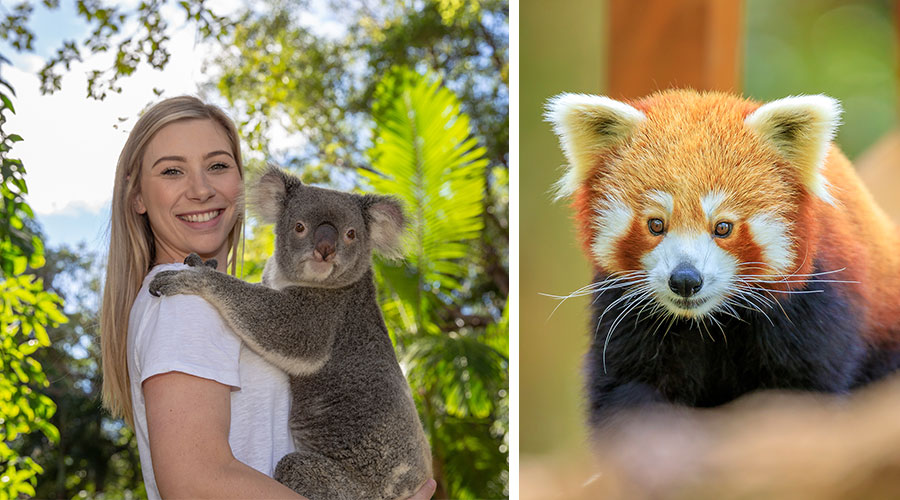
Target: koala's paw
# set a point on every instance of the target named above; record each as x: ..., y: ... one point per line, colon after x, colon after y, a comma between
x: 187, y: 281
x: 195, y: 260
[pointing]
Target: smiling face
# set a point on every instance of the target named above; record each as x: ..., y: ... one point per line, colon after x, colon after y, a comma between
x: 190, y: 187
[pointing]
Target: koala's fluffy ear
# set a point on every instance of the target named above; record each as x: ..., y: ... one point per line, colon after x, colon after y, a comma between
x: 386, y: 223
x: 269, y: 193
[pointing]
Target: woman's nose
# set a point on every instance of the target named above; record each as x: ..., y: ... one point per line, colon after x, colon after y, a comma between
x: 200, y: 188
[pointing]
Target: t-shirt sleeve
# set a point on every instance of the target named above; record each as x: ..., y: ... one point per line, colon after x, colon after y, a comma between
x: 184, y: 333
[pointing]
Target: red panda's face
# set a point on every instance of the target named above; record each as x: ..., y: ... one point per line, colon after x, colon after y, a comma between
x: 692, y: 201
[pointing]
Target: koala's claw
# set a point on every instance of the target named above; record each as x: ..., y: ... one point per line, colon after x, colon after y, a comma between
x: 195, y: 260
x: 162, y: 284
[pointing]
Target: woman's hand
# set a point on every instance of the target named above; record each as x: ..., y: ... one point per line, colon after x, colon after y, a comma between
x: 425, y: 491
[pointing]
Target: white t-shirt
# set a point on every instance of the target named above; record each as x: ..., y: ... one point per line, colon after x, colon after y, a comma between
x: 183, y: 333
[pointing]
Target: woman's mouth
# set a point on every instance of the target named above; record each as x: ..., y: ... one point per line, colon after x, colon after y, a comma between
x: 200, y: 217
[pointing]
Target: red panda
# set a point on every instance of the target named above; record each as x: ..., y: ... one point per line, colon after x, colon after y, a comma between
x: 734, y: 248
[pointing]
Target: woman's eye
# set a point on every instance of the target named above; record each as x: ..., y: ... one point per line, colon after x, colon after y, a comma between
x: 656, y: 226
x: 171, y: 171
x: 219, y: 166
x: 723, y: 229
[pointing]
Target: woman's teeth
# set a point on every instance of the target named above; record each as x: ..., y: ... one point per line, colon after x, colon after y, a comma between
x: 200, y: 217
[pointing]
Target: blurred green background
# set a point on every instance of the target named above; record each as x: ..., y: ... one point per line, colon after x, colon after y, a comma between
x: 843, y: 48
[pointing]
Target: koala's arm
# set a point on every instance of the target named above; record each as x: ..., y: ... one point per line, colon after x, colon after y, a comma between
x: 293, y: 329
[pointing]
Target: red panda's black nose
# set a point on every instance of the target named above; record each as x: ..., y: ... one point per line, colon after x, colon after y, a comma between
x: 685, y: 280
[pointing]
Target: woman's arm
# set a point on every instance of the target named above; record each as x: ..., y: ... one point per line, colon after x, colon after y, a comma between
x: 188, y: 419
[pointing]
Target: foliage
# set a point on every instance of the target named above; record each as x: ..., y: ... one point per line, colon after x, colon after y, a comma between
x: 96, y: 456
x: 287, y: 74
x: 26, y: 310
x: 135, y: 35
x: 457, y: 367
x: 844, y: 48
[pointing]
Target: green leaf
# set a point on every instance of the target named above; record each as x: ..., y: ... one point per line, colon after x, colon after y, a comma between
x: 7, y: 103
x: 429, y: 159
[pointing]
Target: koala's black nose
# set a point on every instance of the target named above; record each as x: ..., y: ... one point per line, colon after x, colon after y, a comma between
x: 685, y: 280
x: 325, y: 239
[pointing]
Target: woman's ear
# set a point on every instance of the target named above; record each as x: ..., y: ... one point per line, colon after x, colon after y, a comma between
x: 138, y: 204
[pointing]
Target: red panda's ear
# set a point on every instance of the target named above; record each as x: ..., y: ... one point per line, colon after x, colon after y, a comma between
x: 800, y: 129
x: 588, y: 125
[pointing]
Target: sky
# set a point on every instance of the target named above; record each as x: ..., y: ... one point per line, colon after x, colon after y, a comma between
x: 71, y: 142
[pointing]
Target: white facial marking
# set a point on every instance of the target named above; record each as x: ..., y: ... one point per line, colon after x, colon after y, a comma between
x: 716, y: 266
x: 770, y: 233
x: 612, y: 221
x: 711, y: 202
x: 662, y: 200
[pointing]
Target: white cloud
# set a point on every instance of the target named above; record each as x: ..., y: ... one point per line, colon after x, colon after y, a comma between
x: 71, y: 142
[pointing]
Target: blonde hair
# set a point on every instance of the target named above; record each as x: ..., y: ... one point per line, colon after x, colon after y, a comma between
x: 131, y: 245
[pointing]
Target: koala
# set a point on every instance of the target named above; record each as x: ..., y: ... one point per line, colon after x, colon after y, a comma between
x: 316, y: 316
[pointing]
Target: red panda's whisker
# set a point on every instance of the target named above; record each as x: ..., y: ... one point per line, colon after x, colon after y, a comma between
x: 745, y: 285
x: 789, y: 278
x: 728, y: 310
x: 644, y: 295
x: 754, y: 293
x: 634, y: 284
x: 750, y: 280
x: 789, y: 292
x: 741, y: 284
x: 783, y: 276
x: 663, y: 316
x: 748, y: 297
x: 601, y: 286
x: 656, y: 307
x: 669, y: 327
x: 752, y: 307
x: 721, y: 328
x: 702, y: 328
x: 625, y: 297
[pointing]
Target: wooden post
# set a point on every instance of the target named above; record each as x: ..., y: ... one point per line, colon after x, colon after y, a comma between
x: 879, y: 166
x: 658, y: 44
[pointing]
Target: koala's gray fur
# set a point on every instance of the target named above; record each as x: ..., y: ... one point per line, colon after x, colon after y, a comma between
x: 316, y: 316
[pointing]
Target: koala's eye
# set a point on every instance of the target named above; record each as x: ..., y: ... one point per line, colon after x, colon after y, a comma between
x: 300, y: 228
x: 723, y: 229
x: 351, y: 234
x: 656, y: 226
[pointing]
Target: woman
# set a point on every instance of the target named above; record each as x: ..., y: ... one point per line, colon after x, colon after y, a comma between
x: 210, y: 416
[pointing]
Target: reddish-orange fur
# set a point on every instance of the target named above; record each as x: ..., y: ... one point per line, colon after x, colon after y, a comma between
x: 691, y: 141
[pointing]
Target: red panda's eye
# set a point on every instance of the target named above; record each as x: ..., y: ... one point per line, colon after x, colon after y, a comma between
x: 300, y: 228
x: 657, y: 226
x: 723, y: 229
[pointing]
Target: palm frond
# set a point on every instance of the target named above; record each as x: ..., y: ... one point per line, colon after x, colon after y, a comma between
x: 428, y: 158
